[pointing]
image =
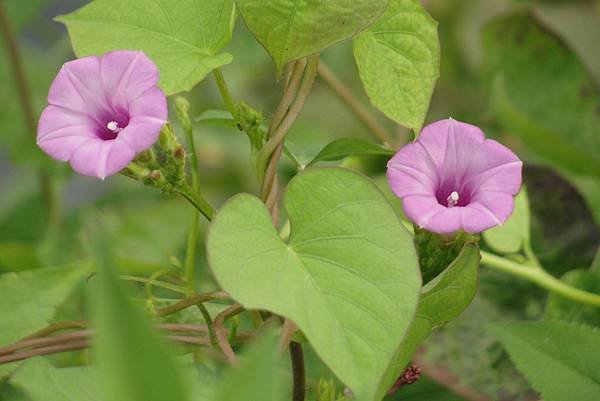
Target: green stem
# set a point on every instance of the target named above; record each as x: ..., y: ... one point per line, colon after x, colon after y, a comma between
x: 225, y: 94
x: 540, y: 277
x: 192, y: 240
x: 196, y: 200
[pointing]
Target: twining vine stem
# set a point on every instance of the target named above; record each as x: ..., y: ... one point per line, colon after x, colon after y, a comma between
x: 46, y: 184
x: 274, y: 146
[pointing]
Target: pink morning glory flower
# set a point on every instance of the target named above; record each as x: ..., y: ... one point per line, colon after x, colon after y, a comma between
x: 452, y: 178
x: 102, y: 111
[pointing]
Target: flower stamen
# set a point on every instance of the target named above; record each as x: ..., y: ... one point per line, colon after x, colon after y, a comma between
x: 452, y: 199
x: 114, y: 127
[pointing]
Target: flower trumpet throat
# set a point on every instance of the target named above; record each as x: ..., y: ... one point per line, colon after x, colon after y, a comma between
x: 452, y: 178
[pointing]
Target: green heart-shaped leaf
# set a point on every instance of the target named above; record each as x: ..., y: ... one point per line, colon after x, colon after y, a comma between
x: 398, y: 59
x: 290, y: 29
x: 182, y: 37
x: 348, y: 276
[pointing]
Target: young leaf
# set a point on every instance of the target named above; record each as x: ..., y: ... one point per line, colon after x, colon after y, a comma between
x: 543, y: 93
x: 42, y: 382
x: 182, y: 37
x: 30, y: 298
x: 291, y: 29
x: 134, y: 363
x: 348, y: 276
x: 442, y: 300
x: 514, y: 233
x: 398, y: 59
x: 559, y: 359
x: 343, y: 147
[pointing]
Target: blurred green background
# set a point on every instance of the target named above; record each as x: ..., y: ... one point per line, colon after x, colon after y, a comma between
x: 528, y: 73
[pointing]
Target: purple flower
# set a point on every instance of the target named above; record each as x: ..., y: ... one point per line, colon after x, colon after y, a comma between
x: 453, y: 178
x: 102, y: 111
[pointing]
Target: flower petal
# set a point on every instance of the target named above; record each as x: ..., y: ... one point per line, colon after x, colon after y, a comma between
x: 450, y: 143
x: 126, y: 75
x: 61, y: 131
x: 494, y: 168
x: 78, y: 87
x: 411, y: 171
x: 90, y: 158
x: 498, y: 204
x: 141, y: 133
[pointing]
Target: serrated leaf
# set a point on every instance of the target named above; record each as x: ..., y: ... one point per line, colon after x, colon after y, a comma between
x: 398, y: 60
x: 442, y: 300
x: 291, y: 29
x: 344, y: 147
x: 43, y: 382
x: 543, y: 93
x: 348, y: 276
x: 511, y: 236
x: 182, y: 37
x: 559, y: 359
x: 134, y: 363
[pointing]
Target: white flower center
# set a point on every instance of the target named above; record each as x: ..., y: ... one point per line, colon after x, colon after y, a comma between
x: 452, y: 199
x: 113, y: 126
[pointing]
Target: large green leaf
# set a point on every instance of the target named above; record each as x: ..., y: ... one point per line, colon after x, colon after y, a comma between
x: 442, y: 300
x: 290, y: 29
x: 511, y: 236
x: 544, y: 94
x: 134, y: 363
x: 348, y: 276
x: 559, y: 359
x: 43, y: 382
x: 182, y: 37
x: 30, y: 298
x: 398, y: 60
